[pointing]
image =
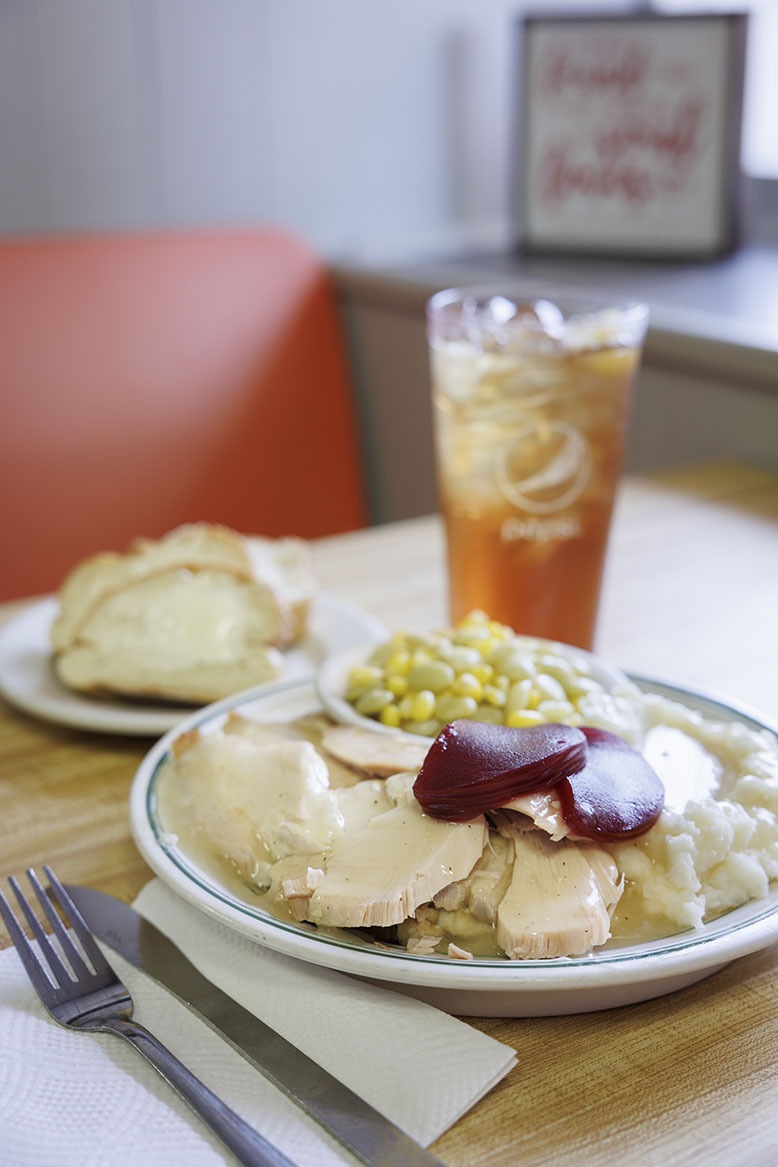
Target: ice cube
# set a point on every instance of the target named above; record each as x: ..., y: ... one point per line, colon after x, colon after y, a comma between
x: 536, y: 326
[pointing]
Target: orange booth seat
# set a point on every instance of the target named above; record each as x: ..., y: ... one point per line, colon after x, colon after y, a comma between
x: 150, y: 380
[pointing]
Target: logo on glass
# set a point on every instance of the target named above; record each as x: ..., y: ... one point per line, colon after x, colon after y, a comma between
x: 544, y: 467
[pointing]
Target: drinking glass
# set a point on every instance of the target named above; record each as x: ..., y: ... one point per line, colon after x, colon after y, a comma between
x: 531, y: 401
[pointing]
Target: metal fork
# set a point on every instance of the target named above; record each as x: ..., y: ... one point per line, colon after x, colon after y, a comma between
x: 94, y: 999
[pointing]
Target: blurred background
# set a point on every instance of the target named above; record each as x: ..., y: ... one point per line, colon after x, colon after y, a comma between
x: 378, y: 131
x: 385, y: 135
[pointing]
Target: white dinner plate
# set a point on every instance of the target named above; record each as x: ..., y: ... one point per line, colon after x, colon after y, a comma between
x: 28, y: 681
x: 487, y: 988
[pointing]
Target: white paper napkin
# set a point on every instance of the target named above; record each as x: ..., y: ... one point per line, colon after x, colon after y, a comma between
x: 90, y: 1100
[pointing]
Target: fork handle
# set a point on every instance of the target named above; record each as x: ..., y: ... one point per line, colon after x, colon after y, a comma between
x: 246, y: 1144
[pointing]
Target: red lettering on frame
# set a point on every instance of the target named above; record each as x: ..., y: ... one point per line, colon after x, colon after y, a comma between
x: 616, y: 68
x: 677, y: 139
x: 562, y: 176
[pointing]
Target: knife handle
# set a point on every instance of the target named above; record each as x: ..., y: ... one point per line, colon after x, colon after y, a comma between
x: 246, y: 1144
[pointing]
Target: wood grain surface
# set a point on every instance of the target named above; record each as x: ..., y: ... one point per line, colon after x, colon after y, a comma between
x: 691, y: 595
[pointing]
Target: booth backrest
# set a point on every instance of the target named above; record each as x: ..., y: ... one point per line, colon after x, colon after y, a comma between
x: 151, y: 380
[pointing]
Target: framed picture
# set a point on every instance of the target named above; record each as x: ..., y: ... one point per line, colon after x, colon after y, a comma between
x: 630, y: 139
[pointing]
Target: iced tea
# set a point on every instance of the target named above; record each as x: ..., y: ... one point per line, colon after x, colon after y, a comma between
x: 531, y: 404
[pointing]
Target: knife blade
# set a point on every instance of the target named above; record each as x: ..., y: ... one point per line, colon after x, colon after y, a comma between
x: 359, y: 1127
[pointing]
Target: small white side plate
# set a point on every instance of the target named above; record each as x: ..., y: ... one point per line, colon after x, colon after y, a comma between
x: 28, y: 681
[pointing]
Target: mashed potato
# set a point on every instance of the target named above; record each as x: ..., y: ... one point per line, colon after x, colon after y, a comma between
x: 712, y: 853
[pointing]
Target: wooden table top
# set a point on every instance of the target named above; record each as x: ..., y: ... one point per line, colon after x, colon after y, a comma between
x: 691, y: 596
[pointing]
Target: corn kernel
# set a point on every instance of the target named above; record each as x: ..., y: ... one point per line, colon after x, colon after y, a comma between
x: 557, y: 667
x: 450, y: 708
x: 550, y: 688
x: 494, y: 696
x: 521, y: 718
x: 398, y: 685
x: 474, y: 637
x: 476, y: 616
x: 429, y: 728
x: 560, y: 711
x: 512, y: 661
x: 405, y: 706
x: 422, y: 705
x: 390, y: 715
x: 581, y: 686
x: 468, y: 685
x: 535, y: 697
x: 488, y: 713
x: 463, y: 659
x: 519, y: 696
x: 436, y: 675
x: 372, y: 701
x: 399, y: 662
x: 419, y: 656
x: 364, y: 677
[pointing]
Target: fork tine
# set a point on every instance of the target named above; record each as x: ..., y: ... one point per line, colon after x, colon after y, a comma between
x: 32, y: 963
x: 68, y: 947
x: 46, y: 949
x: 34, y: 923
x: 78, y: 923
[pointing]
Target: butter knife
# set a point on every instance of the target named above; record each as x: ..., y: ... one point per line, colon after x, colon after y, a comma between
x: 360, y: 1128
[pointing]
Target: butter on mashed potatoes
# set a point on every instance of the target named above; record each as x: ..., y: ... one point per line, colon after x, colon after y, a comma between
x: 706, y: 855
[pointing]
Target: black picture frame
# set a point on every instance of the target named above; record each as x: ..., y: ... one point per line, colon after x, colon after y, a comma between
x: 630, y: 131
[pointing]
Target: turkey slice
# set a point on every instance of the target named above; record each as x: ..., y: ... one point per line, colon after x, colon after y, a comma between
x: 379, y: 875
x: 254, y: 804
x: 542, y: 807
x: 559, y: 901
x: 372, y: 753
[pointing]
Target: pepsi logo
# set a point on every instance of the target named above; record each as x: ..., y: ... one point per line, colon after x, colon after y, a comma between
x: 545, y: 466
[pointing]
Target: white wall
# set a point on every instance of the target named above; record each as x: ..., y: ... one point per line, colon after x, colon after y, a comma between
x: 373, y: 127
